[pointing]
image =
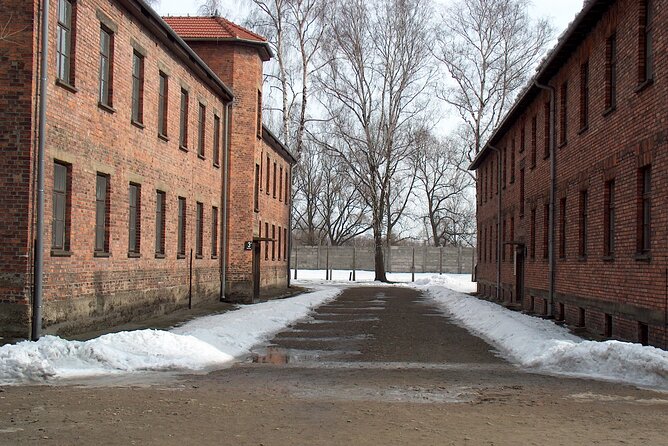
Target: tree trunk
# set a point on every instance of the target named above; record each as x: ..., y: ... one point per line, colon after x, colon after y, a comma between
x: 379, y: 260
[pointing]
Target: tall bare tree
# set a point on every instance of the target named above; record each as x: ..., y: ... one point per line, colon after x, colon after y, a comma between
x: 373, y: 88
x: 210, y: 8
x: 440, y: 166
x: 488, y: 48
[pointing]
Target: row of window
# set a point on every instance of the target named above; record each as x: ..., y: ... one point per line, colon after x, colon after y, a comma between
x: 65, y: 74
x: 278, y: 240
x: 487, y: 246
x: 278, y: 182
x: 62, y: 226
x: 645, y: 76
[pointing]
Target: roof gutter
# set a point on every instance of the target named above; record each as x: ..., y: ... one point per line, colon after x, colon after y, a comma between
x: 553, y: 191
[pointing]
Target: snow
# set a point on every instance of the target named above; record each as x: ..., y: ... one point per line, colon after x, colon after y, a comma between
x: 204, y: 343
x: 543, y: 346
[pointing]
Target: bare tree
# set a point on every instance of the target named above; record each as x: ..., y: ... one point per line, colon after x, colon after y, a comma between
x: 212, y: 8
x: 440, y: 169
x: 373, y: 88
x: 488, y: 48
x: 307, y: 192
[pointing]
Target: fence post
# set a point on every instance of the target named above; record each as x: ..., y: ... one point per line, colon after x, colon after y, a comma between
x: 459, y: 259
x: 327, y: 264
x: 440, y: 260
x: 296, y: 251
x: 413, y: 267
x: 354, y: 261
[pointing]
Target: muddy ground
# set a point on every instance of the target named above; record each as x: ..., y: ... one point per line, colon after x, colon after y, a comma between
x: 378, y: 366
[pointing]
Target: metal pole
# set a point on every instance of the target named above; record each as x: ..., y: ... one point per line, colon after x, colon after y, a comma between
x: 226, y: 175
x: 36, y: 326
x: 190, y: 290
x: 413, y: 267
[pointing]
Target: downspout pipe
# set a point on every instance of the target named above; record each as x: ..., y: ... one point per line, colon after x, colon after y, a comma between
x: 553, y: 192
x: 289, y: 241
x: 36, y: 326
x: 226, y: 176
x: 499, y: 242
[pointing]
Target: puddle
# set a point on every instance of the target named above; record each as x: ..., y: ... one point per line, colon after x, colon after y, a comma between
x: 283, y: 356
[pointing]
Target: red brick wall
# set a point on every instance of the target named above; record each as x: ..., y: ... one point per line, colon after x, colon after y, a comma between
x: 17, y: 85
x: 614, y: 145
x: 240, y: 67
x: 82, y: 290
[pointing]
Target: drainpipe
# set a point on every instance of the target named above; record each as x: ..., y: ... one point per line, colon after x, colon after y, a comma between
x: 289, y: 241
x: 39, y: 236
x: 499, y: 243
x: 553, y: 192
x: 226, y: 176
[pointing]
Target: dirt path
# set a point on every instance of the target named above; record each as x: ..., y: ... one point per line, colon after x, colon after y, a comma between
x: 378, y: 366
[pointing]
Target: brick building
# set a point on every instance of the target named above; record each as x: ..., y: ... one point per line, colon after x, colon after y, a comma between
x: 150, y: 152
x: 572, y: 187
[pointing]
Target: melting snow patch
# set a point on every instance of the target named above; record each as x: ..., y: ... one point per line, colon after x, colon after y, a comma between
x: 201, y: 344
x: 541, y: 345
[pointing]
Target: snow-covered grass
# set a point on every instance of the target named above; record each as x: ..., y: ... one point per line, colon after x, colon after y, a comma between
x: 531, y: 342
x: 201, y: 344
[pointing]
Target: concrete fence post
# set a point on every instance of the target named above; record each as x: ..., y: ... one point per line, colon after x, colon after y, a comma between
x: 459, y: 259
x: 440, y: 260
x: 296, y: 248
x: 327, y: 264
x: 413, y: 267
x: 354, y: 261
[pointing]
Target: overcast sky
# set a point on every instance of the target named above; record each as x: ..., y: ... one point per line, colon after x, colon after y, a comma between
x: 560, y: 12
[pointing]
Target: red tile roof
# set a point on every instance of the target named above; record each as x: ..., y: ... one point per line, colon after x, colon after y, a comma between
x: 211, y: 28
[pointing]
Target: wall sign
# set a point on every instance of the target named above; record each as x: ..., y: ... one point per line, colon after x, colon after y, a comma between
x: 248, y: 246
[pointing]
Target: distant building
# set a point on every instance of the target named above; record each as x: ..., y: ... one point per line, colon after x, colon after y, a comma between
x: 606, y: 84
x: 151, y: 148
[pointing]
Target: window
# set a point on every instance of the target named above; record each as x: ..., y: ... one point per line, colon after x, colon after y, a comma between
x: 611, y: 72
x: 216, y: 141
x: 199, y: 235
x: 645, y: 41
x: 584, y: 95
x: 134, y: 219
x: 562, y: 228
x: 546, y: 230
x: 512, y: 236
x: 563, y: 118
x: 532, y: 239
x: 60, y: 224
x: 583, y: 223
x: 267, y: 184
x: 273, y: 242
x: 609, y: 219
x: 274, y: 194
x: 607, y: 330
x: 266, y: 241
x: 201, y: 130
x: 137, y: 88
x: 546, y: 130
x: 280, y: 185
x: 521, y: 192
x: 163, y: 101
x: 534, y: 136
x: 214, y: 232
x: 645, y: 209
x: 65, y: 42
x: 287, y: 186
x: 505, y: 166
x: 522, y: 138
x: 258, y: 123
x: 285, y: 243
x: 503, y: 240
x: 102, y: 208
x: 257, y: 188
x: 160, y: 204
x: 106, y: 66
x: 181, y: 230
x: 643, y: 333
x: 183, y: 120
x: 279, y: 242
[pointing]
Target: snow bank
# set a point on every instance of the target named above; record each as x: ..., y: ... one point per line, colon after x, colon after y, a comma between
x: 543, y: 346
x: 201, y: 344
x: 460, y: 282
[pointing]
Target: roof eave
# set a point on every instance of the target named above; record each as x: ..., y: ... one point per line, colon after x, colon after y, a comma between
x: 274, y: 142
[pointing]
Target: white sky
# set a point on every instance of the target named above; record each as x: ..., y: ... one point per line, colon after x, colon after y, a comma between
x: 560, y: 12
